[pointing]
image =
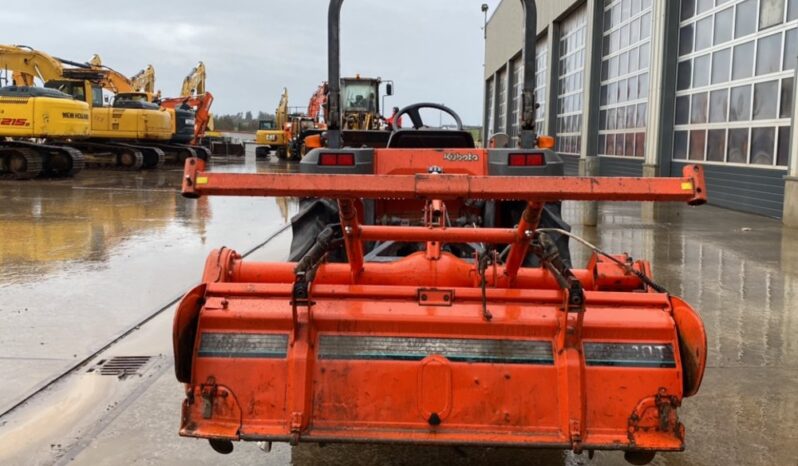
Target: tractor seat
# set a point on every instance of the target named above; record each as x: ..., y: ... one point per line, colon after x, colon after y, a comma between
x: 431, y: 139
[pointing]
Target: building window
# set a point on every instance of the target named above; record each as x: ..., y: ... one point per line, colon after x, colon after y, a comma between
x: 489, y: 111
x: 626, y: 54
x: 516, y: 87
x: 735, y: 81
x: 501, y: 102
x: 570, y: 80
x: 541, y: 65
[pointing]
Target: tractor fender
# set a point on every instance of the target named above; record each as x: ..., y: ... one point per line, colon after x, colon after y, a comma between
x: 184, y: 331
x: 692, y: 344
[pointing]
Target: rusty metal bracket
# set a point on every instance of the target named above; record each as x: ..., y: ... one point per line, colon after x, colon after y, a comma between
x: 208, y: 393
x: 576, y: 436
x: 667, y: 404
x: 484, y: 260
x: 300, y: 296
x: 296, y: 427
x: 658, y: 413
x: 549, y: 255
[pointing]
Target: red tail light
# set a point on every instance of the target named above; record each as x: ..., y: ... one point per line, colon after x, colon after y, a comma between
x: 331, y: 159
x: 526, y: 160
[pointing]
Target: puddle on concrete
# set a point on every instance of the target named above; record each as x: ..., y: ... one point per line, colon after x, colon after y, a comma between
x: 84, y: 259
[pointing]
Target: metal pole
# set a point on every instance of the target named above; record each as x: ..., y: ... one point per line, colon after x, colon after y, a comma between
x: 334, y: 73
x: 526, y: 136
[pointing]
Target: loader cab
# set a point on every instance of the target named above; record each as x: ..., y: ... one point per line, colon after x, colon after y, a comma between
x: 266, y: 125
x: 300, y: 124
x: 360, y: 95
x: 360, y: 117
x: 360, y: 99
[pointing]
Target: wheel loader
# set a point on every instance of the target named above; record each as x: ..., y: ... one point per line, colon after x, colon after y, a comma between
x: 273, y: 135
x: 430, y: 299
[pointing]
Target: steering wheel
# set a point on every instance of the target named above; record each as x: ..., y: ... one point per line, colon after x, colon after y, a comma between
x: 412, y: 111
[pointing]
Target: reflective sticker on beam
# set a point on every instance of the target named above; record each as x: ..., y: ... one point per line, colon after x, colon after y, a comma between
x: 347, y: 347
x: 243, y: 345
x: 687, y: 186
x: 629, y: 355
x: 202, y: 180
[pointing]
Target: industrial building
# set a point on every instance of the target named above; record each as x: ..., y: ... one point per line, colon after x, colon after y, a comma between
x: 644, y: 87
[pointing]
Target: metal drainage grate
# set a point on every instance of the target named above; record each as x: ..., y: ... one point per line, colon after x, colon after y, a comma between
x: 121, y: 366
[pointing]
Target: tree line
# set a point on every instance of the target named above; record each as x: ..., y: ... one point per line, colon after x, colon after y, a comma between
x: 241, y: 121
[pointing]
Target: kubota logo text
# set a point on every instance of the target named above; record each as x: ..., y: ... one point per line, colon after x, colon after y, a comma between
x: 14, y: 122
x: 452, y: 157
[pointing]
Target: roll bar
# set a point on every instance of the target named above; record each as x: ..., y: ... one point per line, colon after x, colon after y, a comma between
x: 527, y: 133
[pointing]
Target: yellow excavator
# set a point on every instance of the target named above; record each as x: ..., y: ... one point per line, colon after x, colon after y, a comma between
x: 29, y: 113
x: 272, y: 135
x: 125, y: 136
x: 143, y: 81
x: 139, y: 92
x: 194, y: 82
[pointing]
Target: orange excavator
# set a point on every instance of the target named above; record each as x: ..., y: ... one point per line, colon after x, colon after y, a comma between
x: 194, y: 96
x: 436, y: 302
x: 317, y: 105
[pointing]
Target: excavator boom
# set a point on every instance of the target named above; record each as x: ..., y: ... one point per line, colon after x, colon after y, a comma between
x: 111, y: 79
x: 27, y: 61
x: 200, y: 104
x: 318, y: 103
x: 194, y: 83
x: 144, y: 80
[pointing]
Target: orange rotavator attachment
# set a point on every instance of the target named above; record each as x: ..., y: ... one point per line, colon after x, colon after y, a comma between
x: 432, y: 348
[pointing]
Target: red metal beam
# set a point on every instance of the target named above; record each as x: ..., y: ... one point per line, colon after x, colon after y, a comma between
x: 528, y: 224
x: 444, y: 235
x: 351, y: 229
x: 690, y: 188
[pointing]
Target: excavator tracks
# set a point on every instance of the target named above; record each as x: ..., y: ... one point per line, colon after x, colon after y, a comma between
x: 26, y: 160
x: 60, y: 161
x: 152, y: 157
x: 116, y: 156
x: 177, y: 154
x: 19, y: 163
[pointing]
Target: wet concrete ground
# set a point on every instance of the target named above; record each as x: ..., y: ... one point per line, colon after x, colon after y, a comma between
x: 83, y: 260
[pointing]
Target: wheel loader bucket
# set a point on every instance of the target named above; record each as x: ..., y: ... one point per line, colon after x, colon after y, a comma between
x: 435, y: 348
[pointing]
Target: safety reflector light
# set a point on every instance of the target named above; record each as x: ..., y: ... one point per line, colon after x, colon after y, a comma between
x: 629, y: 355
x: 332, y: 159
x: 546, y: 142
x: 527, y: 160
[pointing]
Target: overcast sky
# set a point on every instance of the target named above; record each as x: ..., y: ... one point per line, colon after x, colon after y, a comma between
x: 432, y: 49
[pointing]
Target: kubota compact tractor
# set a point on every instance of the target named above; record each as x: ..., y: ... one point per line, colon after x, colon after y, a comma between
x: 426, y: 311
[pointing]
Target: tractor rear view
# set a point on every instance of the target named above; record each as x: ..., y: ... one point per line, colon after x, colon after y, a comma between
x: 435, y: 303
